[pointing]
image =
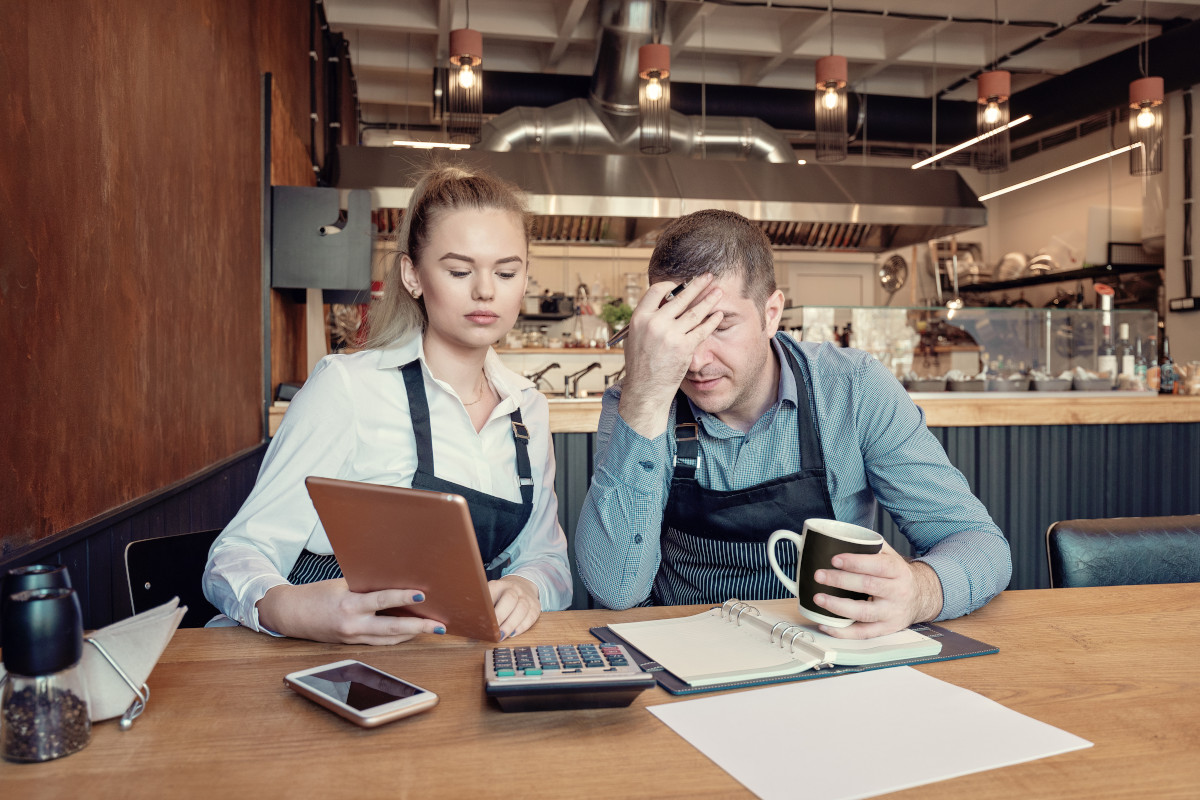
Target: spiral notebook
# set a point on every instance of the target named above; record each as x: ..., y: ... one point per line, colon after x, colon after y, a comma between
x: 740, y: 645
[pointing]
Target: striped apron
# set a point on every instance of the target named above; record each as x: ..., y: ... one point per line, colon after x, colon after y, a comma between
x: 714, y: 542
x: 498, y: 522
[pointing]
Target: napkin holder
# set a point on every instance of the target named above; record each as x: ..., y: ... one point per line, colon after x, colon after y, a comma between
x: 118, y: 659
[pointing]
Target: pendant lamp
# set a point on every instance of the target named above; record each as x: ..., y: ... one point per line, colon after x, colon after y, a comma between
x: 1146, y: 126
x: 830, y: 108
x: 654, y: 98
x: 992, y: 121
x: 465, y: 90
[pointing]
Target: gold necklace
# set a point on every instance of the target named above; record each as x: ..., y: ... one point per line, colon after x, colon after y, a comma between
x: 483, y: 384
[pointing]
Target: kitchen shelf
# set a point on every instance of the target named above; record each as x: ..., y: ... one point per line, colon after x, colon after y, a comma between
x: 546, y: 317
x: 1056, y: 277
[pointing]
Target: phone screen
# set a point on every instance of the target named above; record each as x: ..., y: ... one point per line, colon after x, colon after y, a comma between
x: 359, y: 686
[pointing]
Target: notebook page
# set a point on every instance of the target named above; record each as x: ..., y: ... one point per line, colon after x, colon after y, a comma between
x: 706, y: 649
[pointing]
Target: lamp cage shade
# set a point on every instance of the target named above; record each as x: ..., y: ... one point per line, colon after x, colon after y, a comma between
x: 829, y: 108
x: 991, y: 152
x: 464, y: 106
x: 1146, y: 126
x: 654, y: 98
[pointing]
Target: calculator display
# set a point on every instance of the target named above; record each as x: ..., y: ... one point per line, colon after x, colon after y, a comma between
x: 359, y: 686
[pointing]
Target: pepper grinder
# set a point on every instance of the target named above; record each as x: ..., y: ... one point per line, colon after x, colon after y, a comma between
x: 44, y: 705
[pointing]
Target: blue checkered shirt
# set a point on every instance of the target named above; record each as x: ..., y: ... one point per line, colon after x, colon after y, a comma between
x: 877, y: 449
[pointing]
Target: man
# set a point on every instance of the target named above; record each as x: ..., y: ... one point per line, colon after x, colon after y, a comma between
x: 723, y: 431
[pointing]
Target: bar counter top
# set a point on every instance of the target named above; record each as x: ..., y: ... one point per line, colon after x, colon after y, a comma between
x: 968, y: 409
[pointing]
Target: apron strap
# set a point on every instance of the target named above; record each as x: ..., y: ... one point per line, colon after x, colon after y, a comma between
x: 810, y: 440
x: 687, y: 439
x: 524, y: 471
x: 418, y: 408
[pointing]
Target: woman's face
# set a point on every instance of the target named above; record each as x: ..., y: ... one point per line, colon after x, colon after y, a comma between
x: 472, y: 275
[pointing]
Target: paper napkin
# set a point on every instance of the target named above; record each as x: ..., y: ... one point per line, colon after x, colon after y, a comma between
x: 136, y: 644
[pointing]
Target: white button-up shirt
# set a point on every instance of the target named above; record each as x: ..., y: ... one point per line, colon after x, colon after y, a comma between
x: 351, y: 421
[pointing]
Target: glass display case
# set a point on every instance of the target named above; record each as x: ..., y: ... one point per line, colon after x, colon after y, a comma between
x: 993, y: 349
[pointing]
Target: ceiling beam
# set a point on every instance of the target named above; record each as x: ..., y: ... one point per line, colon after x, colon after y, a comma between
x: 566, y: 28
x: 794, y: 33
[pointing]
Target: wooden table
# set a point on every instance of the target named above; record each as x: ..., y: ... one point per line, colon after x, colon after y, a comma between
x: 1117, y: 666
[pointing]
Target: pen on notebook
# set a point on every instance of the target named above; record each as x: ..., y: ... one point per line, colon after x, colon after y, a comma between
x: 621, y: 334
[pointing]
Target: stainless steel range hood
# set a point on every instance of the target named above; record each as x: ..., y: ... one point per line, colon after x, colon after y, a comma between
x: 621, y: 199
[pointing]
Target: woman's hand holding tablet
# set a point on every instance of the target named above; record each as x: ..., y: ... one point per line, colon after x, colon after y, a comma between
x: 327, y: 611
x: 517, y: 602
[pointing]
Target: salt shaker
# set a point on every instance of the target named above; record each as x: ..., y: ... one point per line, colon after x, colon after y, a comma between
x: 44, y: 705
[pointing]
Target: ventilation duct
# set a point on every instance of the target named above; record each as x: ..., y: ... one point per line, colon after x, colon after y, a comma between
x: 579, y: 163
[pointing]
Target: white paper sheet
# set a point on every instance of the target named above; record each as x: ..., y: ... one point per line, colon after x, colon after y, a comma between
x: 859, y: 735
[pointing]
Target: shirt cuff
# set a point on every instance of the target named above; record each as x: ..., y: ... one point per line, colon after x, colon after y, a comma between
x: 641, y: 463
x: 256, y: 590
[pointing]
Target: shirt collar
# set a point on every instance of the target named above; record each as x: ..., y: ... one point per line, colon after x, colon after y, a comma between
x: 508, y: 383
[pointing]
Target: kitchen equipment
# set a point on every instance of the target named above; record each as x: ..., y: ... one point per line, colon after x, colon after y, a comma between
x: 892, y: 275
x: 1012, y: 266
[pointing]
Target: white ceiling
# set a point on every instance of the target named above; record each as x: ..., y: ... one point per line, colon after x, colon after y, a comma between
x: 394, y: 44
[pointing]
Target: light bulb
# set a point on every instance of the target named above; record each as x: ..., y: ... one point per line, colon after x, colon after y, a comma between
x: 653, y: 89
x: 830, y: 98
x: 1145, y: 118
x: 991, y: 114
x: 466, y: 76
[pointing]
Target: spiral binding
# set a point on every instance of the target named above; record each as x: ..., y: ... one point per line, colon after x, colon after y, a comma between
x: 733, y: 604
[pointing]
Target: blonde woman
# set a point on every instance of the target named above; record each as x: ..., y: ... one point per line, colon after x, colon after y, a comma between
x: 427, y: 404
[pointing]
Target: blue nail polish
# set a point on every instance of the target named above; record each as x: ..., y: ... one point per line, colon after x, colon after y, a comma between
x: 418, y: 597
x: 439, y: 629
x: 502, y: 635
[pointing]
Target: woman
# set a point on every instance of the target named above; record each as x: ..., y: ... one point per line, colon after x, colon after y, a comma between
x: 456, y: 289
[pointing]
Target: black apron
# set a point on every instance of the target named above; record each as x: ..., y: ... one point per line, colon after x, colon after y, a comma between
x: 498, y: 522
x: 713, y: 542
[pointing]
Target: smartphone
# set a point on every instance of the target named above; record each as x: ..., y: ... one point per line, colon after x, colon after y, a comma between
x: 362, y: 694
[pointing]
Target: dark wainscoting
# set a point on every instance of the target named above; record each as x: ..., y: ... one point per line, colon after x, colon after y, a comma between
x: 1026, y: 476
x: 95, y: 551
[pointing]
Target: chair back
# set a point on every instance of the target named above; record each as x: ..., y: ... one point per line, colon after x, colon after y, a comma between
x: 1124, y: 551
x: 168, y: 566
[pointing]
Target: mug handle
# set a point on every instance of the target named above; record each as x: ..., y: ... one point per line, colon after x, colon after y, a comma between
x: 798, y: 540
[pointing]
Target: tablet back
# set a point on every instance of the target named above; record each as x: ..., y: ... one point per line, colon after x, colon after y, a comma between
x: 388, y: 537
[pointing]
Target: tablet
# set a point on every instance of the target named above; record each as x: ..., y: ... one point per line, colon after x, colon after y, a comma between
x: 389, y: 537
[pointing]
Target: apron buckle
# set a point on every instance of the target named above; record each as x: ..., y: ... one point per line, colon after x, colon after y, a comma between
x: 520, y: 431
x: 687, y: 432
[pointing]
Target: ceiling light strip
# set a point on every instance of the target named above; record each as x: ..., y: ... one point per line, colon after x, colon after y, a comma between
x: 429, y: 145
x: 1057, y: 172
x: 970, y: 142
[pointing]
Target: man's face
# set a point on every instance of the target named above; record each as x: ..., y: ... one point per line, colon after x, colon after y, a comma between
x: 733, y: 372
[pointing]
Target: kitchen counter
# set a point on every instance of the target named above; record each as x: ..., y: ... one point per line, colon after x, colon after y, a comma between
x: 964, y: 409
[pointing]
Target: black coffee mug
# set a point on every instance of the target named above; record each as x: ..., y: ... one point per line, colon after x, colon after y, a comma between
x: 821, y: 540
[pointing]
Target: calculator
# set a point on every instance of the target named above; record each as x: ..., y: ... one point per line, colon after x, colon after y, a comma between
x: 550, y: 677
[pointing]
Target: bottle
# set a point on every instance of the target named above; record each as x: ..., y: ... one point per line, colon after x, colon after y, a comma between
x: 1139, y: 364
x: 1106, y: 356
x: 1152, y: 371
x: 1106, y: 359
x: 1125, y: 357
x: 846, y: 334
x: 1166, y: 369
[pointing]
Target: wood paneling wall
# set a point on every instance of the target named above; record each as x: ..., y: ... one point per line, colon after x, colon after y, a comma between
x: 130, y: 266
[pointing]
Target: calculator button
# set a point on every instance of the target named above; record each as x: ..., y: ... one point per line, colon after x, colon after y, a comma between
x: 533, y: 672
x: 505, y: 673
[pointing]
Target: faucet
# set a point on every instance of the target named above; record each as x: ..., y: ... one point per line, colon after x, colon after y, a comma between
x: 540, y: 374
x: 613, y: 378
x: 571, y: 382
